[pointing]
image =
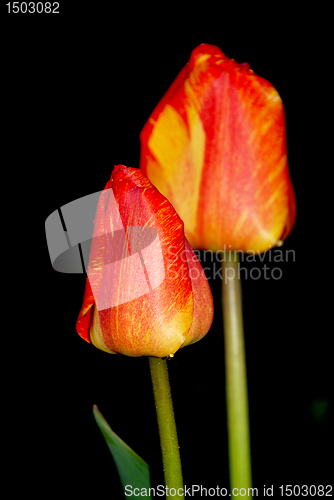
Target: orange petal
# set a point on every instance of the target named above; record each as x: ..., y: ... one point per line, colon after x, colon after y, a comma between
x: 142, y: 305
x: 215, y: 146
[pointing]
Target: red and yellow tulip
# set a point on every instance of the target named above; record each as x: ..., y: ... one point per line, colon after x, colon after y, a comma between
x: 215, y: 146
x: 149, y: 304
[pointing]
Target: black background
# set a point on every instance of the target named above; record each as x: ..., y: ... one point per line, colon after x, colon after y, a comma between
x: 76, y: 91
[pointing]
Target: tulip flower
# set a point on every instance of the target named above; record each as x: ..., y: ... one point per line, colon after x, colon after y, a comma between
x: 146, y: 292
x: 215, y: 146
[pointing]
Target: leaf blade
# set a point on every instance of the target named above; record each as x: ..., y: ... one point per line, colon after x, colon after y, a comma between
x: 132, y: 469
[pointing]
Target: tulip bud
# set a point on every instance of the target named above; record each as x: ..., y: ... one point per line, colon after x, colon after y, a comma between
x: 215, y: 146
x: 146, y: 292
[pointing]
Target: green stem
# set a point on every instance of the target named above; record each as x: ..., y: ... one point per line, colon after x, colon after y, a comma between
x: 167, y: 428
x: 236, y: 378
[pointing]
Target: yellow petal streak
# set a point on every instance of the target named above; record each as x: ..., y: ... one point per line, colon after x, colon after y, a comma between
x: 172, y: 152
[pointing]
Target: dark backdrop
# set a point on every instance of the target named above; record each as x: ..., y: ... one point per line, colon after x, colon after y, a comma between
x: 77, y: 90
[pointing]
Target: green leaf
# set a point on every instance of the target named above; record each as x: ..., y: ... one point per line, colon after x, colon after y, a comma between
x: 133, y: 470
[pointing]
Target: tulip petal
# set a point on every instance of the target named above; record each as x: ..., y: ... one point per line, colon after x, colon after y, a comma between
x: 142, y: 303
x: 203, y: 301
x: 215, y: 146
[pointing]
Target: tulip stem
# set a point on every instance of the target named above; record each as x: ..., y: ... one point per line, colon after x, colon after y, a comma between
x: 167, y: 428
x: 236, y: 378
